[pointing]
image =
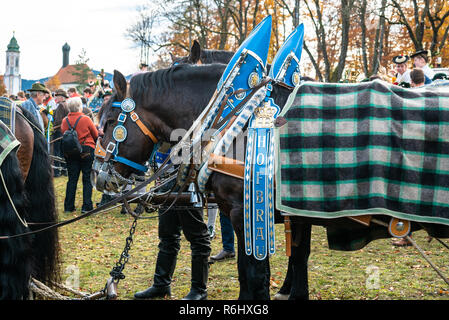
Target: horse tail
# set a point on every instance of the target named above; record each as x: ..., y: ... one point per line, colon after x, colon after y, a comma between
x: 15, y: 253
x: 42, y: 209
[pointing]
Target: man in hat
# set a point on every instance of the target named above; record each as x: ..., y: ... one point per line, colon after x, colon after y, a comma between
x: 420, y: 60
x: 59, y: 113
x: 37, y: 96
x: 402, y: 73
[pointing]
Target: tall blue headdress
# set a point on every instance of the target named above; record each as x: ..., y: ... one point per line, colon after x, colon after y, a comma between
x: 244, y: 71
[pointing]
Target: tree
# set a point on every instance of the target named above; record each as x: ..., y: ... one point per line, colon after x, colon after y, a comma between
x: 141, y: 33
x: 331, y: 32
x: 82, y: 71
x: 423, y: 20
x: 53, y: 83
x: 373, y: 28
x: 216, y: 24
x: 2, y: 87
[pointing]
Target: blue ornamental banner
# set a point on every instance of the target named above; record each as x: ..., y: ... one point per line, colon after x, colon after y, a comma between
x: 258, y: 184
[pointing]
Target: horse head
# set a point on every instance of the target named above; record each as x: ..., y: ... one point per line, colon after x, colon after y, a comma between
x: 121, y: 119
x: 192, y: 58
x: 144, y: 113
x: 203, y: 56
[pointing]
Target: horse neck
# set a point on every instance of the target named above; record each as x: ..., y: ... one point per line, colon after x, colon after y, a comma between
x: 280, y: 95
x: 179, y: 106
x: 216, y: 56
x: 177, y: 115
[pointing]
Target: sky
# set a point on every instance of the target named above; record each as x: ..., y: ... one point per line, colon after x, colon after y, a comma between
x: 43, y: 27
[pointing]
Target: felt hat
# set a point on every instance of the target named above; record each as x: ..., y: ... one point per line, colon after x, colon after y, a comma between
x: 419, y: 53
x: 62, y: 93
x: 38, y: 87
x: 401, y: 59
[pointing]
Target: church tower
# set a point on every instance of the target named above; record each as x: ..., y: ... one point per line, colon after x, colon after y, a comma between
x: 65, y: 55
x: 12, y: 78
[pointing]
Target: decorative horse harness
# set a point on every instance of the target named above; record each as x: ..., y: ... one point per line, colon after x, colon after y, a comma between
x: 119, y: 135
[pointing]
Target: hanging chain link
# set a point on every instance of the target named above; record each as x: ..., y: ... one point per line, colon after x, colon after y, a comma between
x: 117, y: 271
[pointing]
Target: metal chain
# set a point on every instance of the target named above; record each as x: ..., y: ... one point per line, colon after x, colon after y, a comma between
x: 117, y: 272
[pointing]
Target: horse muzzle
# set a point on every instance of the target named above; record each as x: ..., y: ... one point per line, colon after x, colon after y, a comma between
x: 103, y: 178
x: 101, y: 174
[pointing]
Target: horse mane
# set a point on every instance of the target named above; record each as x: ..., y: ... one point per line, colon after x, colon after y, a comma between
x: 156, y: 83
x: 158, y: 80
x: 15, y: 261
x: 42, y: 208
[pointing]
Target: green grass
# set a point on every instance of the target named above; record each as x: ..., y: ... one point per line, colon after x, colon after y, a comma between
x: 93, y: 245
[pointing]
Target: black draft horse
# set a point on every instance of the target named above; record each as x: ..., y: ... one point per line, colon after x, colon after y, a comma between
x: 173, y: 98
x: 170, y: 99
x: 29, y: 180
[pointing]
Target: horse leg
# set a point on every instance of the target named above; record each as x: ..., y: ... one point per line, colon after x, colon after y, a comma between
x: 284, y: 291
x: 298, y: 261
x: 254, y: 275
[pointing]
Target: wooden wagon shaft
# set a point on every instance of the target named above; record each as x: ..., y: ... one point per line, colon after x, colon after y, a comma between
x: 228, y: 166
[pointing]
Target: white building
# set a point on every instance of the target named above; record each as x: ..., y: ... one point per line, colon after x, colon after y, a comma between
x: 12, y: 78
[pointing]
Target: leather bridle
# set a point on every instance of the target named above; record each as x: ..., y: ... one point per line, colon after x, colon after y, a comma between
x: 120, y: 134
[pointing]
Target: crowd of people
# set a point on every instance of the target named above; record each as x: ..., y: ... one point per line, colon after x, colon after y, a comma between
x: 419, y: 75
x: 62, y: 109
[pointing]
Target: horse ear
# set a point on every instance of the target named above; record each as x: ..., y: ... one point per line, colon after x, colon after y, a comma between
x: 120, y: 84
x: 195, y: 52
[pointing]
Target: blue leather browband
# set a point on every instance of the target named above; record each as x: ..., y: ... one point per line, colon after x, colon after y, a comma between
x: 130, y: 163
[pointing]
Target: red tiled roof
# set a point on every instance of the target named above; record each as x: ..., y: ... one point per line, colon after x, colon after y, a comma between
x: 65, y: 75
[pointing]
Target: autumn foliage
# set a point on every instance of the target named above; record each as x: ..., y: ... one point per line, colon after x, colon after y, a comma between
x: 345, y: 40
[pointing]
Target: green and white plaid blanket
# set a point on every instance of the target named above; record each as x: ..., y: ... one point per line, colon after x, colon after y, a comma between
x: 8, y: 113
x: 370, y: 148
x: 8, y: 142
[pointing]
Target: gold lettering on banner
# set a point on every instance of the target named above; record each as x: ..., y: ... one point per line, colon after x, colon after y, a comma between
x: 259, y: 215
x: 260, y: 234
x: 259, y: 196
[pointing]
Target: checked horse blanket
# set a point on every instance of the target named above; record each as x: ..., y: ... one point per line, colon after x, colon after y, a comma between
x: 370, y: 148
x: 8, y: 113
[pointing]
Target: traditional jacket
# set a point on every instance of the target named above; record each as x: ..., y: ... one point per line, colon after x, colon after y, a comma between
x: 31, y: 106
x: 60, y: 113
